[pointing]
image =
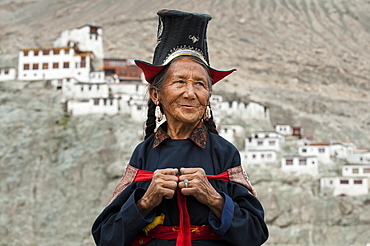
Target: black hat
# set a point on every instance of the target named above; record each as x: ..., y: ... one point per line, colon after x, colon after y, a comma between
x: 180, y: 33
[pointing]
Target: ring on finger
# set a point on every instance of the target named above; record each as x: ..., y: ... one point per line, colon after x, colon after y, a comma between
x: 186, y: 183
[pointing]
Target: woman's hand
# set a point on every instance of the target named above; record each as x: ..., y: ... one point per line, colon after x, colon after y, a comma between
x: 201, y: 189
x: 163, y: 185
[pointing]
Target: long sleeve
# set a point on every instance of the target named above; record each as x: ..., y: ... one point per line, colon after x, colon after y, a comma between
x: 242, y: 220
x: 121, y: 221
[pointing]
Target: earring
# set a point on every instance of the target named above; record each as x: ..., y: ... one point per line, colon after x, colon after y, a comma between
x: 207, y: 113
x: 158, y: 113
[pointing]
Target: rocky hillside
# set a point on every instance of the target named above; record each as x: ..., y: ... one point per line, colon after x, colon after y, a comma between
x: 308, y: 60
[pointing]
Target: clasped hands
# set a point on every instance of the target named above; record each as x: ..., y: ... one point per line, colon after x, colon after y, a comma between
x: 165, y: 182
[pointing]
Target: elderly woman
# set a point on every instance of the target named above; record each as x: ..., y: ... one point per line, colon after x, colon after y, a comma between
x: 184, y: 184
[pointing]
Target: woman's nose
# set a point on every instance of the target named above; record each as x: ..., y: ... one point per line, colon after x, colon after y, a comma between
x: 189, y: 91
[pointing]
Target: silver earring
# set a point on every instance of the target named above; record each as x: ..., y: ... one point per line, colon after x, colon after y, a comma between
x: 207, y: 113
x: 158, y: 113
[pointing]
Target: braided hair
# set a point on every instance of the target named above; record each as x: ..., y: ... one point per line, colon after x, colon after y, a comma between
x: 157, y: 82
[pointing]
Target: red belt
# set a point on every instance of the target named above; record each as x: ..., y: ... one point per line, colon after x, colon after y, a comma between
x: 171, y: 232
x: 183, y: 233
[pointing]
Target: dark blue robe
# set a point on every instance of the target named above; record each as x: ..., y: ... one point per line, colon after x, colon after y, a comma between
x: 242, y: 220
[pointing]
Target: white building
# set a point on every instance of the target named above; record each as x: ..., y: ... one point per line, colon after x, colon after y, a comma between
x: 231, y: 132
x: 246, y: 111
x: 129, y: 88
x: 285, y: 130
x: 108, y: 106
x: 258, y: 157
x: 320, y: 150
x: 7, y: 73
x: 87, y: 38
x: 342, y: 150
x: 349, y: 186
x: 97, y: 76
x: 359, y: 158
x: 356, y: 170
x: 55, y: 63
x: 264, y: 141
x: 300, y: 164
x: 136, y: 107
x: 85, y: 91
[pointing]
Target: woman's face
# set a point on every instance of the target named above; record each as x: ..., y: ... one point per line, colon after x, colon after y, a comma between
x: 185, y: 93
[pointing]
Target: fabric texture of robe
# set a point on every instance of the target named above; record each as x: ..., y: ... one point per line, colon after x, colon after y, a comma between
x: 242, y: 219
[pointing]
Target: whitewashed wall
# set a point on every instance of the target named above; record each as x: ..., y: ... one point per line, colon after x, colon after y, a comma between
x: 363, y: 158
x: 258, y: 157
x: 284, y: 129
x: 300, y: 164
x: 73, y: 71
x: 107, y: 106
x: 322, y: 152
x: 349, y: 186
x: 85, y: 41
x: 7, y: 74
x: 356, y: 170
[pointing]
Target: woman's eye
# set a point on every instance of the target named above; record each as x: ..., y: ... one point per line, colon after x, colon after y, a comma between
x: 200, y: 83
x: 180, y: 81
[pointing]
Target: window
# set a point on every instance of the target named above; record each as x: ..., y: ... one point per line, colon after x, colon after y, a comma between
x: 269, y: 156
x: 366, y: 170
x: 66, y: 51
x: 138, y: 107
x: 90, y: 89
x: 35, y: 52
x: 304, y: 150
x: 45, y: 65
x: 302, y: 162
x: 357, y: 181
x: 321, y: 150
x: 123, y: 71
x: 25, y: 52
x: 259, y: 143
x: 344, y: 181
x: 6, y: 71
x: 355, y: 170
x: 96, y: 101
x: 111, y: 102
x: 253, y: 156
x: 82, y: 89
x: 289, y: 162
x: 272, y: 143
x: 26, y: 66
x: 65, y: 64
x: 56, y: 52
x: 45, y: 52
x: 105, y: 101
x: 133, y: 72
x: 35, y: 66
x: 55, y: 65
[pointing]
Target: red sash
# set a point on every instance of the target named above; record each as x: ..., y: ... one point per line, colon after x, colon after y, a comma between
x: 171, y: 232
x: 183, y: 232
